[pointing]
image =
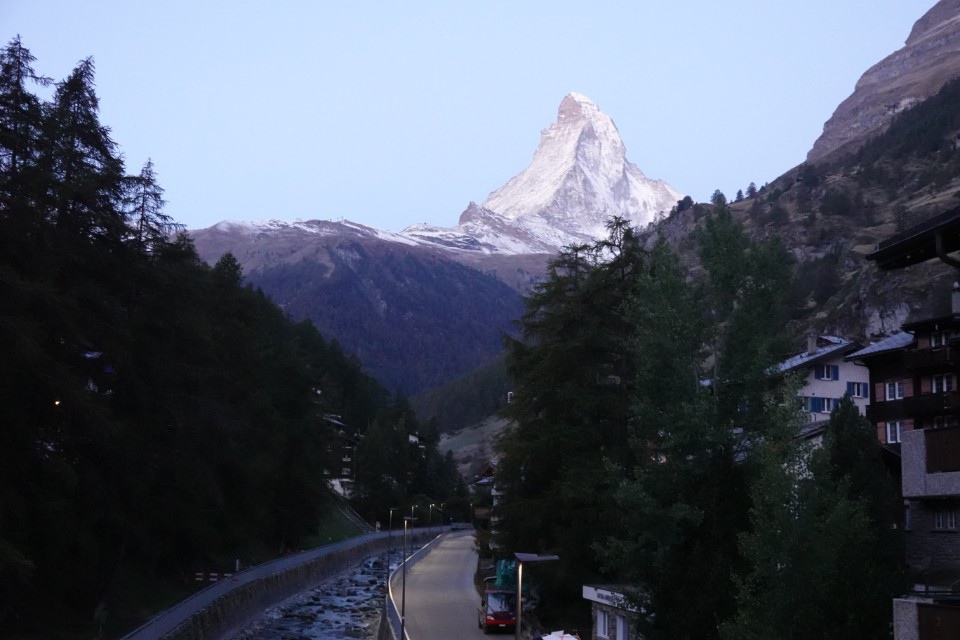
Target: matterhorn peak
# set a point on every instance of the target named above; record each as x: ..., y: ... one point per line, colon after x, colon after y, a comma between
x: 576, y: 105
x: 579, y: 178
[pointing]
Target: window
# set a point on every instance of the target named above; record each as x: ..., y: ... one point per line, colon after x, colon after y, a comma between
x: 944, y: 421
x: 895, y: 390
x: 858, y: 390
x: 945, y: 519
x: 826, y: 372
x: 943, y: 383
x: 894, y: 429
x: 603, y: 624
x: 938, y: 339
x: 907, y: 516
x: 821, y: 405
x: 621, y: 628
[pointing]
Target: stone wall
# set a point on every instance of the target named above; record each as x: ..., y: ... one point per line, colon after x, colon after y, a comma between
x: 937, y: 549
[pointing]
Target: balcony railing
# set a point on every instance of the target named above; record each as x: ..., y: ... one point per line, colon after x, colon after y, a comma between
x: 886, y: 411
x: 920, y: 359
x: 929, y: 404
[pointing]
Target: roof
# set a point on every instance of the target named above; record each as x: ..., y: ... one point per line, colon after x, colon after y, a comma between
x: 897, y: 341
x: 919, y: 244
x: 945, y: 322
x: 836, y: 347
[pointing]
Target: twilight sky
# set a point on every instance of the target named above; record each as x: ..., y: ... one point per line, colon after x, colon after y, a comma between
x: 390, y: 113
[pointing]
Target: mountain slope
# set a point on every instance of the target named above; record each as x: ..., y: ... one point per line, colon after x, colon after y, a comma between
x: 430, y: 304
x: 413, y: 317
x: 928, y: 59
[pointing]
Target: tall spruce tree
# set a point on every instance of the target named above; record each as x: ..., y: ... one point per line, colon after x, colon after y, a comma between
x: 573, y: 374
x: 703, y: 350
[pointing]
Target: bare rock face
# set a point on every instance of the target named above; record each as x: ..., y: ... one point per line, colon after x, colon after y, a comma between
x: 579, y: 178
x: 929, y: 59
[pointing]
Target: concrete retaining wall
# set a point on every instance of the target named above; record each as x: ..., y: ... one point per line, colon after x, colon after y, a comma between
x: 229, y: 605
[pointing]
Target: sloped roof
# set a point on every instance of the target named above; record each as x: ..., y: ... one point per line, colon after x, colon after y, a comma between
x: 835, y: 347
x: 919, y: 244
x: 896, y: 341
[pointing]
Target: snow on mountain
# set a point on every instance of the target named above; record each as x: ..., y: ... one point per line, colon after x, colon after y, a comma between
x: 578, y: 179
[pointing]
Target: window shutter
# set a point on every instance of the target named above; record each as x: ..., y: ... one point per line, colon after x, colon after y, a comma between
x: 816, y: 405
x: 850, y: 389
x: 835, y: 371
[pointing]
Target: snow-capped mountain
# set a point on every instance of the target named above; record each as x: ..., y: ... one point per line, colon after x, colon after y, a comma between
x: 429, y: 304
x: 578, y: 179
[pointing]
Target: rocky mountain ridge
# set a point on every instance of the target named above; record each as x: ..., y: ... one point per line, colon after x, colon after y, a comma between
x: 929, y: 58
x: 579, y: 177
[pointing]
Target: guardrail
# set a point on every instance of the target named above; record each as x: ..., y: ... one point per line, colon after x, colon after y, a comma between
x: 393, y: 612
x: 228, y: 605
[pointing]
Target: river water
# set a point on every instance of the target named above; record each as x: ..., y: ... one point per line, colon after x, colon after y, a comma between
x: 346, y: 607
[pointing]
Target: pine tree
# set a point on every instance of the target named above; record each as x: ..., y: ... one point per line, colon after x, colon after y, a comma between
x: 82, y: 158
x: 573, y: 372
x: 144, y: 203
x: 685, y: 500
x: 824, y: 557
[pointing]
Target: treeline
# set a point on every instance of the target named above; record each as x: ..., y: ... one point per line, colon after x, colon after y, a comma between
x: 653, y: 447
x: 157, y: 416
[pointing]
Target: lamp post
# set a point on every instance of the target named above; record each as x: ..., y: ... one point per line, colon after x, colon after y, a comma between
x: 429, y: 518
x: 390, y: 536
x: 441, y: 516
x: 403, y: 598
x: 521, y: 558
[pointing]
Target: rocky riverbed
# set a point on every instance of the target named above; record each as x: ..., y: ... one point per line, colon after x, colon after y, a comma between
x: 347, y: 607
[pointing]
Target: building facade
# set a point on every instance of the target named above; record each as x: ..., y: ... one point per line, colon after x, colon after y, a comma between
x: 613, y: 617
x: 914, y: 385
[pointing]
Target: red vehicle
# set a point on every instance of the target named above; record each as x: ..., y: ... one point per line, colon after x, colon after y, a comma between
x: 498, y: 610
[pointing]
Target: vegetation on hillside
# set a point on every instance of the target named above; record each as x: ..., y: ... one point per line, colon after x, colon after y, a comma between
x: 416, y: 321
x: 648, y: 444
x: 158, y: 417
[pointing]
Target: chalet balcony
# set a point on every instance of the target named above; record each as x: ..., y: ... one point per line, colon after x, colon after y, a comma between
x: 932, y: 359
x: 931, y: 462
x: 935, y: 404
x: 929, y: 404
x: 886, y: 411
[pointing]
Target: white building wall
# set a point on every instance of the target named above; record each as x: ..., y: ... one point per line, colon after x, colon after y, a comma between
x: 836, y: 389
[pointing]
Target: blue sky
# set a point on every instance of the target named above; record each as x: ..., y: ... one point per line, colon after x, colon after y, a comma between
x: 391, y: 113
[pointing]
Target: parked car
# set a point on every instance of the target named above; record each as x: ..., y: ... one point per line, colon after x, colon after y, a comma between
x: 498, y: 610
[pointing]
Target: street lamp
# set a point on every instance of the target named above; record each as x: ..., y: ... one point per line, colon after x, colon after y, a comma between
x: 403, y: 597
x: 521, y: 558
x: 441, y: 516
x: 390, y: 537
x: 429, y: 518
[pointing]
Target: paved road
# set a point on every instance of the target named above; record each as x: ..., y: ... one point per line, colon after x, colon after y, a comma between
x: 441, y: 599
